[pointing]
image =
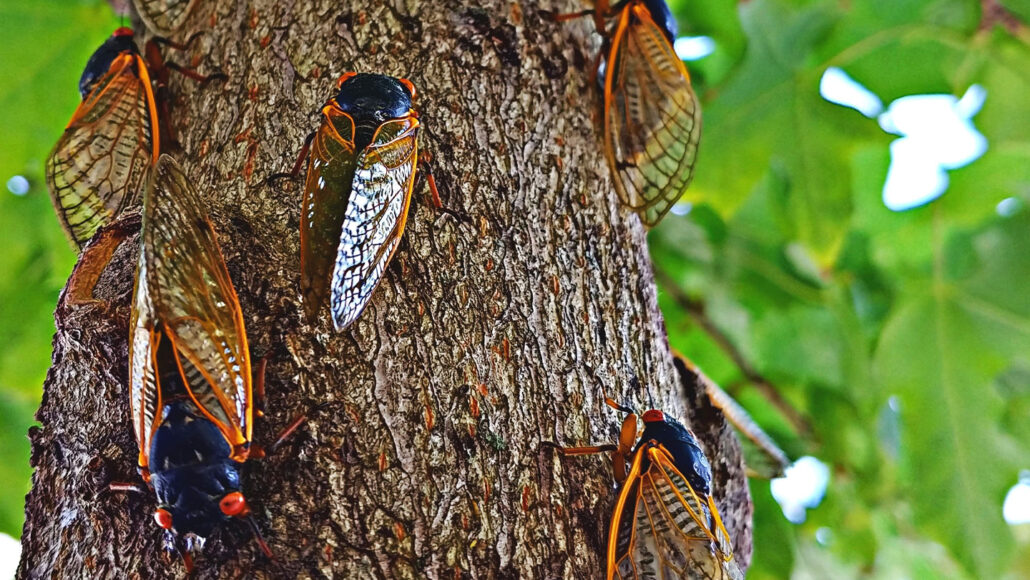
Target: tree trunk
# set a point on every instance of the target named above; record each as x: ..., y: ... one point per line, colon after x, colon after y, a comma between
x: 487, y: 336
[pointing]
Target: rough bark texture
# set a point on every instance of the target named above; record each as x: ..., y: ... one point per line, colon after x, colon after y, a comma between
x: 486, y: 337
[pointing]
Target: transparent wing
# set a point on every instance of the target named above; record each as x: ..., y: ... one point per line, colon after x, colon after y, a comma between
x: 652, y: 117
x: 662, y: 529
x: 331, y: 163
x: 164, y: 17
x: 144, y: 392
x: 375, y: 216
x: 192, y: 300
x: 99, y: 163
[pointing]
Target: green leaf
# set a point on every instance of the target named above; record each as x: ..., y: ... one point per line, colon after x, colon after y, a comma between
x: 46, y: 45
x: 940, y: 353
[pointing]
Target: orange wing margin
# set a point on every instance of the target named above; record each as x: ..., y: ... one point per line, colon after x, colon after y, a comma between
x: 98, y: 166
x: 331, y: 164
x: 184, y: 294
x: 652, y: 118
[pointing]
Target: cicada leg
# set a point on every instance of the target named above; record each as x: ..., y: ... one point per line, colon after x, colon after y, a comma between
x: 293, y: 173
x: 425, y: 175
x: 259, y: 451
x: 159, y: 68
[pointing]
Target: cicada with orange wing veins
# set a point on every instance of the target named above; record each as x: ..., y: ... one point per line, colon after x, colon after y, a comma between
x: 97, y: 168
x: 98, y: 165
x: 665, y: 523
x: 361, y: 170
x: 652, y: 118
x: 163, y: 17
x: 190, y: 377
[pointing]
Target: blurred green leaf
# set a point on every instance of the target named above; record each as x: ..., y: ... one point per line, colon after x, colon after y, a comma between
x: 38, y: 96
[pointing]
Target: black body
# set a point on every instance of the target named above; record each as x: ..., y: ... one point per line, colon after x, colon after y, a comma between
x: 190, y: 465
x: 100, y: 62
x: 687, y: 455
x: 372, y: 99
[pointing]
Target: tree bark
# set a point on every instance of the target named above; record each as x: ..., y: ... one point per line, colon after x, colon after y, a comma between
x: 487, y: 336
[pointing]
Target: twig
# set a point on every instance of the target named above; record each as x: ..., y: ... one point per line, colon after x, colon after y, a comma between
x: 696, y: 310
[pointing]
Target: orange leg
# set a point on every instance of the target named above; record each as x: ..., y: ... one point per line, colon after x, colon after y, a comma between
x: 293, y: 173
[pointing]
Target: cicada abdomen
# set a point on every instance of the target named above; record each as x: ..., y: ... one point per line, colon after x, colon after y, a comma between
x: 652, y: 118
x: 163, y: 17
x: 190, y: 373
x: 98, y: 165
x: 361, y: 171
x: 665, y: 523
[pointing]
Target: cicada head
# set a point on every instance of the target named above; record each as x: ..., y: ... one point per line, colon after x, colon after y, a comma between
x: 687, y: 454
x: 371, y: 100
x: 196, y: 482
x: 100, y: 62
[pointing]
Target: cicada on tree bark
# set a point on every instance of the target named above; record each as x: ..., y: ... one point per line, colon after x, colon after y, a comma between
x: 98, y: 165
x: 652, y: 118
x: 665, y: 523
x: 361, y: 168
x: 190, y: 379
x: 97, y: 168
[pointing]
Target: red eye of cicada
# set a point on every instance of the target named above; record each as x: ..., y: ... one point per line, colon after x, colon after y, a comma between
x: 163, y: 518
x: 234, y: 504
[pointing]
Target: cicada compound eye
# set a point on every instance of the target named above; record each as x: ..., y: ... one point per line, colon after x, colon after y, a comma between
x: 234, y: 504
x: 344, y: 78
x: 654, y: 416
x: 163, y: 518
x: 410, y: 86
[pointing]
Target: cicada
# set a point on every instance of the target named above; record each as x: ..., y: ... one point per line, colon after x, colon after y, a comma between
x: 190, y: 377
x: 164, y: 17
x: 665, y: 523
x: 99, y: 163
x: 361, y: 170
x: 652, y: 118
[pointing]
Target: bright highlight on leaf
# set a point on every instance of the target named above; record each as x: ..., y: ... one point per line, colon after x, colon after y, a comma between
x: 802, y: 488
x: 1016, y: 509
x: 18, y: 185
x: 837, y: 87
x: 693, y: 47
x: 937, y: 135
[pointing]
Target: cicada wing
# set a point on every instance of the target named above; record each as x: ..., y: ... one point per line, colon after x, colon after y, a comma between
x: 163, y: 17
x: 652, y: 117
x: 331, y: 163
x: 193, y: 300
x: 144, y: 391
x: 98, y: 166
x: 663, y: 529
x: 375, y: 217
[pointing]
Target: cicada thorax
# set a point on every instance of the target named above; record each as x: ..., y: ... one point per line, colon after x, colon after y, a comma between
x: 361, y: 172
x: 97, y: 167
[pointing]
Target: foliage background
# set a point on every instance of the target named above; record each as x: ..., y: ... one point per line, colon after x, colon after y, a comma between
x: 788, y: 276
